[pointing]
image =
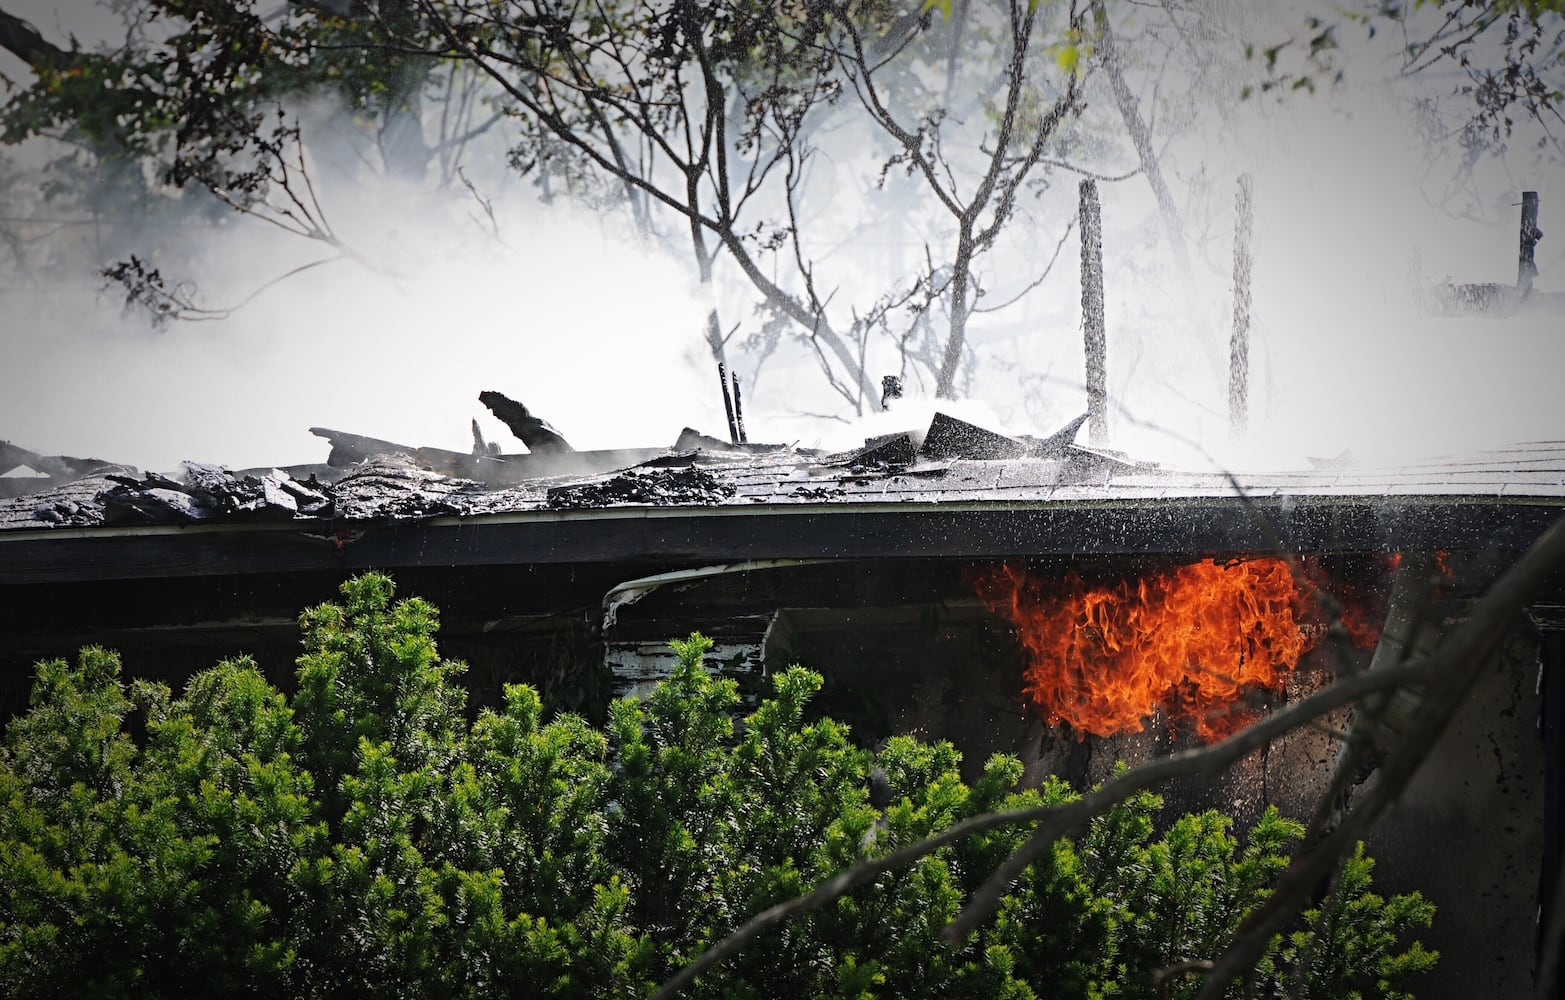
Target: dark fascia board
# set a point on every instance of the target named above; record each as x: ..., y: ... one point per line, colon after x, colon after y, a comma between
x: 686, y: 536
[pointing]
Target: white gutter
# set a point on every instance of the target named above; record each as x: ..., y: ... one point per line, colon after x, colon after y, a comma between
x: 632, y: 591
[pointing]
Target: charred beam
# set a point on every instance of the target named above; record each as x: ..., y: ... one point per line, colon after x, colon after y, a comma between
x: 535, y: 432
x: 348, y: 450
x: 948, y: 437
x: 728, y: 403
x: 1526, y: 267
x: 739, y: 412
x: 482, y: 448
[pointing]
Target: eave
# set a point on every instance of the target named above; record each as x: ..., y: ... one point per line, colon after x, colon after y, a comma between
x: 674, y: 537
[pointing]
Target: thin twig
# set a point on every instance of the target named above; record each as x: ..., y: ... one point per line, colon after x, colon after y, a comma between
x: 1083, y: 171
x: 1069, y: 228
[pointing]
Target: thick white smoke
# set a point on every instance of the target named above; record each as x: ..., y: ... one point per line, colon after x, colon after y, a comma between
x: 1348, y: 203
x: 601, y: 334
x: 595, y: 333
x: 565, y: 310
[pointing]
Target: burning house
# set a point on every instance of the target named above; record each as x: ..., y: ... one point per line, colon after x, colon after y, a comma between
x: 1060, y: 602
x: 1030, y: 595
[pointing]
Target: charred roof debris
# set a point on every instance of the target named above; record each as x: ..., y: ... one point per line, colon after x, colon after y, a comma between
x: 372, y: 478
x: 948, y: 461
x: 537, y: 434
x: 23, y: 471
x: 687, y: 485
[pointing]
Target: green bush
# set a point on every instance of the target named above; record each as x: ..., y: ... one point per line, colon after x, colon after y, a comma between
x: 366, y: 839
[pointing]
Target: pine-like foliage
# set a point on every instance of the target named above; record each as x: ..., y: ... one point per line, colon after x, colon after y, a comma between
x: 368, y: 839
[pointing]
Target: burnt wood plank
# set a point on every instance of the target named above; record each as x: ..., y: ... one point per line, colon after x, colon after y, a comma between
x: 55, y: 470
x: 537, y: 434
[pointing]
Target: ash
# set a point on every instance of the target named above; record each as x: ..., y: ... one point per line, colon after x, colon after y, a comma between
x: 660, y: 487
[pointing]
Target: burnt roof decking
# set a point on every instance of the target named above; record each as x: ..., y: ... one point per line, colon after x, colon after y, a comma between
x: 700, y: 506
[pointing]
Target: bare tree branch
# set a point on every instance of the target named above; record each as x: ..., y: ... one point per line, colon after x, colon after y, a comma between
x: 1070, y: 227
x: 1140, y: 135
x: 23, y: 41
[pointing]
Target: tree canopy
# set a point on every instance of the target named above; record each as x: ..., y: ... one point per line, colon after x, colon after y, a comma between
x: 847, y: 181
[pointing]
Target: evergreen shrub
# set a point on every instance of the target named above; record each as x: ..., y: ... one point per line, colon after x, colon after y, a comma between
x: 366, y: 838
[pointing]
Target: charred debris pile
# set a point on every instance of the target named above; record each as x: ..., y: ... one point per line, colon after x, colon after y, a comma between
x: 368, y: 478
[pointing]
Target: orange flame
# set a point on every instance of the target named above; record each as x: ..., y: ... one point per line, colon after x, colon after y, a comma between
x: 1363, y: 630
x: 1193, y: 640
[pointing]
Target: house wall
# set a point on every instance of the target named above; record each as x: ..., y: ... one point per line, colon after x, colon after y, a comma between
x: 1469, y: 833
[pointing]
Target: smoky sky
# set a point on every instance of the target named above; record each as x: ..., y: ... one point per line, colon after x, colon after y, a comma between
x: 599, y: 331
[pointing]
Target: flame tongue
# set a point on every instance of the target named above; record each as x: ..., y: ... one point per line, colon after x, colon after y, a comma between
x: 1193, y: 639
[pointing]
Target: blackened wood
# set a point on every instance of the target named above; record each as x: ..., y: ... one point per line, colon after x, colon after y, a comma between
x: 949, y: 437
x: 728, y: 403
x: 310, y: 496
x: 533, y: 431
x: 1526, y: 267
x: 691, y: 439
x: 889, y: 451
x: 1055, y: 444
x: 482, y: 448
x: 276, y: 495
x: 56, y: 469
x: 154, y: 505
x: 349, y: 450
x: 1239, y: 342
x: 739, y: 411
x: 1092, y: 313
x: 210, y: 493
x: 670, y: 487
